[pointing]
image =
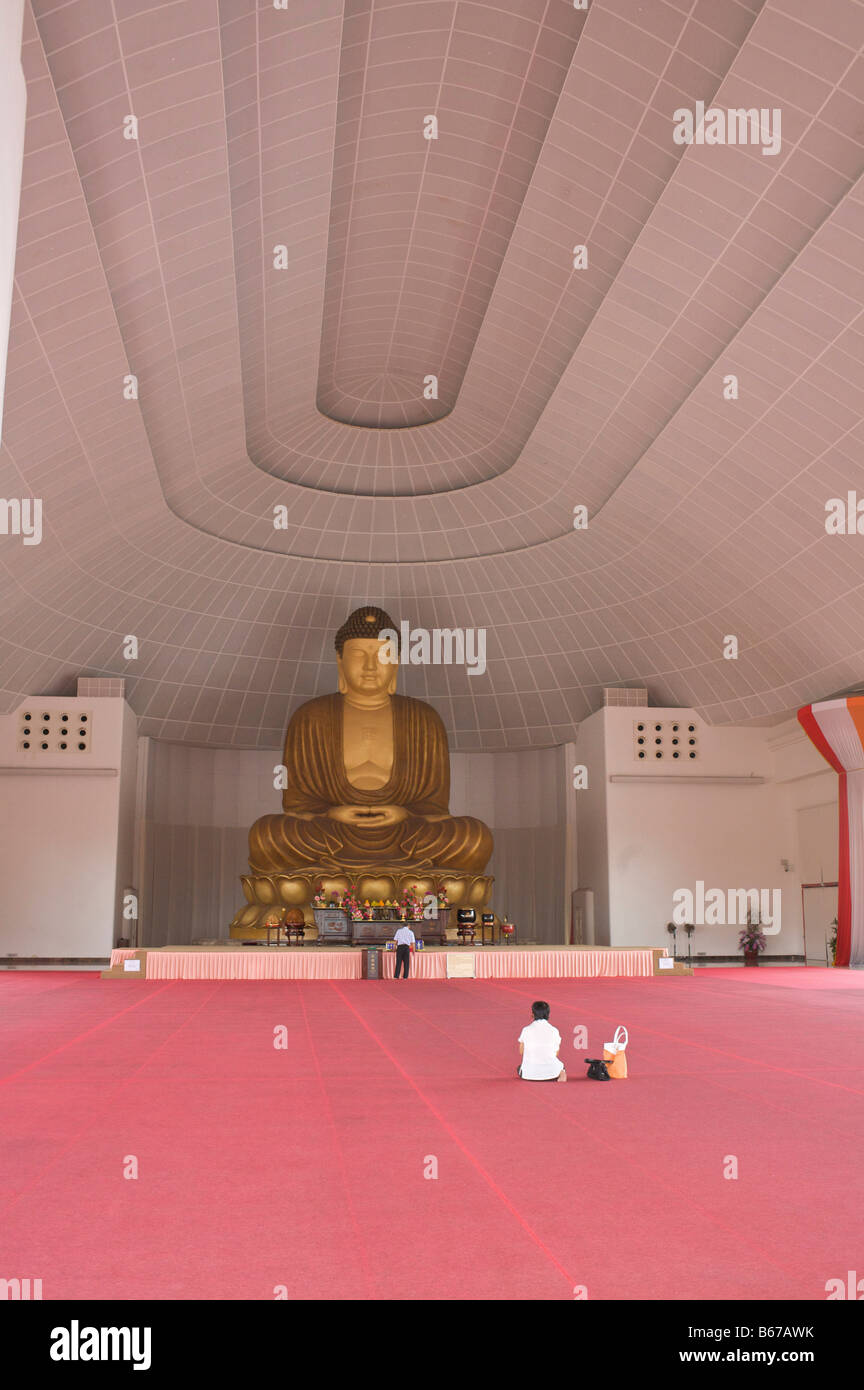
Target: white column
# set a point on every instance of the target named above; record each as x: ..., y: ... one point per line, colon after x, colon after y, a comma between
x: 13, y: 108
x: 571, y: 820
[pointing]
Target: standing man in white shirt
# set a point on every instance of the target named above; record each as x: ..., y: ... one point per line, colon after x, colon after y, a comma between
x: 404, y: 939
x: 539, y: 1043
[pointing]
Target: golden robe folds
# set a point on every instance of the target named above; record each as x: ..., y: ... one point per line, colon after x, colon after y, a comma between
x: 419, y: 781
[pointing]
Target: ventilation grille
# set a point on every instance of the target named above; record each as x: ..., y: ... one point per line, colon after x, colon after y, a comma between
x: 665, y: 740
x: 101, y: 687
x: 635, y: 695
x: 55, y: 731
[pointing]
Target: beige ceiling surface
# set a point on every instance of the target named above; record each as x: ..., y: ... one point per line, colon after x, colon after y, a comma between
x: 283, y: 260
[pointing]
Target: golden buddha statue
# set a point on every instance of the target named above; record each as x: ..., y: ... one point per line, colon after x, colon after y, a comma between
x: 367, y: 795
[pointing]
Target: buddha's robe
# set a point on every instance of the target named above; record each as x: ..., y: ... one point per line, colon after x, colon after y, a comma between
x: 419, y: 781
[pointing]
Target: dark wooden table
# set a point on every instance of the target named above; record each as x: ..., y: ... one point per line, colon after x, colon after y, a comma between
x: 336, y: 927
x: 333, y: 926
x: 432, y: 930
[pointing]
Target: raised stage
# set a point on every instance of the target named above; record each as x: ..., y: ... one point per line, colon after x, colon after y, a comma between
x: 225, y: 961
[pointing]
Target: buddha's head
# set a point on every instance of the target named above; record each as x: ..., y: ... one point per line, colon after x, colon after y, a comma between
x: 363, y: 676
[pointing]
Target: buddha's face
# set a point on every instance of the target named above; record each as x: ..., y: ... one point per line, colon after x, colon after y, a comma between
x: 362, y: 674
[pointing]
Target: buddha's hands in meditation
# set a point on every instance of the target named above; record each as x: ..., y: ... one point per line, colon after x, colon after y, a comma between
x: 368, y: 816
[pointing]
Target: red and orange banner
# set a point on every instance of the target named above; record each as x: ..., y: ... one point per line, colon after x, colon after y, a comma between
x: 836, y: 728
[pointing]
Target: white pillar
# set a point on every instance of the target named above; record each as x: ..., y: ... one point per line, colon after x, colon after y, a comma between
x: 13, y: 108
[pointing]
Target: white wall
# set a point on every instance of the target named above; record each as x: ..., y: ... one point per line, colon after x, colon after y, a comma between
x: 66, y: 834
x: 592, y: 840
x: 661, y: 837
x: 126, y: 817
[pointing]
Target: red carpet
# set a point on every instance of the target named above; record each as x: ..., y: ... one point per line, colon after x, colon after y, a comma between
x: 261, y: 1167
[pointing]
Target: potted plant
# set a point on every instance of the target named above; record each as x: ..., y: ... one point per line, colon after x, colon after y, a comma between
x: 832, y: 940
x: 751, y: 941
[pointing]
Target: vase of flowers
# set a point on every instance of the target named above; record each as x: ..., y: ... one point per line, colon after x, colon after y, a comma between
x: 751, y: 941
x: 412, y: 904
x: 350, y: 904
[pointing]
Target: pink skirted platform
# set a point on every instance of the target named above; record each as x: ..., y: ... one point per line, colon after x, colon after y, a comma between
x: 255, y: 964
x: 329, y: 963
x: 511, y: 963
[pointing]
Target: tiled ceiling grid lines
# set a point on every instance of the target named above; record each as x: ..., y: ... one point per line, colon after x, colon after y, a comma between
x: 599, y: 387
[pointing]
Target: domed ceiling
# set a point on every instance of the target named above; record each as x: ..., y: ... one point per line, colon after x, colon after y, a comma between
x: 366, y: 368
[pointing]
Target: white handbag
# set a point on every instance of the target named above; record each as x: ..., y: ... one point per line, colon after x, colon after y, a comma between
x: 621, y: 1040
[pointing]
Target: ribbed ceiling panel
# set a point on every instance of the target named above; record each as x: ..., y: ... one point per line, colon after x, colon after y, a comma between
x: 272, y: 378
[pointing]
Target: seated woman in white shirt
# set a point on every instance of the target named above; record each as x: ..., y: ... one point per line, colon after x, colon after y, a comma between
x: 539, y: 1044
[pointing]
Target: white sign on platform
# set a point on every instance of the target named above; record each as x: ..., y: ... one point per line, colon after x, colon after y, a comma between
x: 666, y: 963
x: 460, y: 965
x: 131, y: 965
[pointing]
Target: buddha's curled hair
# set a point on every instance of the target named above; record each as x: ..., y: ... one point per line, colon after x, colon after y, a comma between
x: 364, y: 622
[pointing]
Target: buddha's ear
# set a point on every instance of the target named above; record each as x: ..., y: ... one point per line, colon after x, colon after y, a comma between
x: 343, y: 684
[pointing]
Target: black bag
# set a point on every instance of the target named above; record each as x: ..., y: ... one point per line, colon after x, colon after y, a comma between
x: 597, y: 1069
